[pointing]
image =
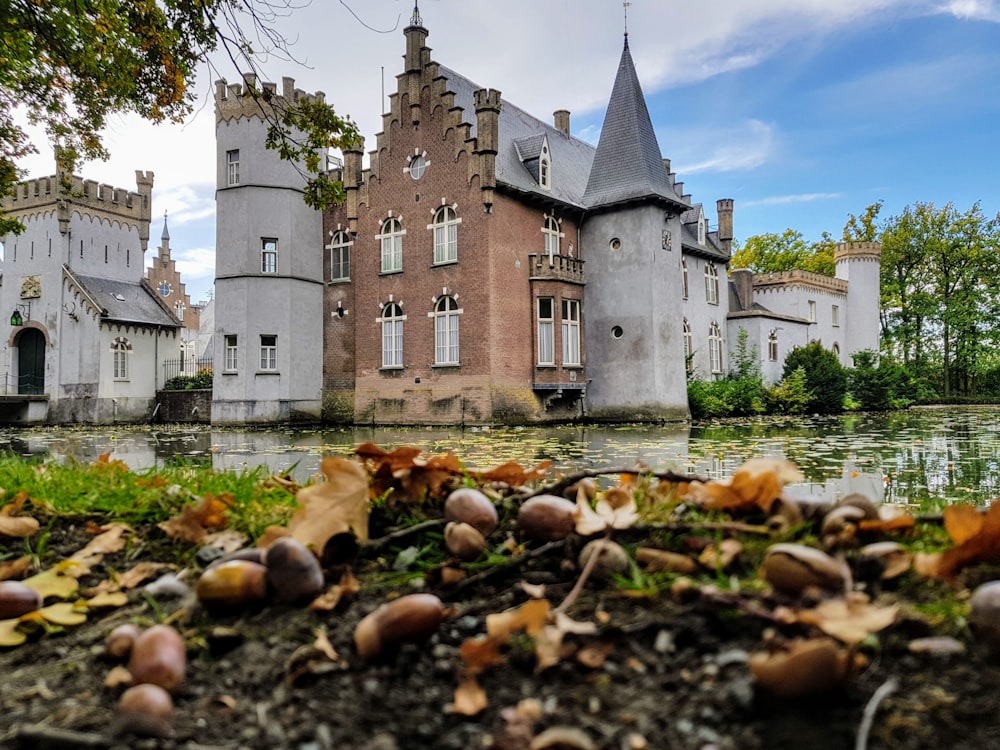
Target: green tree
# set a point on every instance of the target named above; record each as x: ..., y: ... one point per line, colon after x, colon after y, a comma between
x: 826, y: 378
x: 72, y: 63
x: 765, y: 253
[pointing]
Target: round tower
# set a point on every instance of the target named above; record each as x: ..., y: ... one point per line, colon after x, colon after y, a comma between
x: 859, y: 264
x: 268, y: 267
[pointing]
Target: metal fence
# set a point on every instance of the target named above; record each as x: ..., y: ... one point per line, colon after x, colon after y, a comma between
x: 185, y: 366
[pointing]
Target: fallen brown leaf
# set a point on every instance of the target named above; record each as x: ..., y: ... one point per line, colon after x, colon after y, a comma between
x: 338, y: 505
x: 194, y: 520
x: 13, y: 568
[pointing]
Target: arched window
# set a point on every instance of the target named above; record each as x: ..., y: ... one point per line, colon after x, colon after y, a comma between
x: 684, y: 279
x: 392, y: 335
x: 772, y: 345
x: 550, y: 231
x: 701, y: 230
x: 715, y: 347
x: 711, y: 284
x: 445, y: 229
x: 120, y: 349
x: 446, y: 313
x: 392, y: 245
x: 688, y: 348
x: 340, y: 256
x: 545, y: 168
x: 179, y: 310
x: 835, y: 349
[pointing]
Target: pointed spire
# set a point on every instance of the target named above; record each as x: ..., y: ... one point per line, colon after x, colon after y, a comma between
x: 166, y: 235
x: 627, y: 164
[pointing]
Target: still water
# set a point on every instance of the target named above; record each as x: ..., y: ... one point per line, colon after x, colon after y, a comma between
x: 923, y: 456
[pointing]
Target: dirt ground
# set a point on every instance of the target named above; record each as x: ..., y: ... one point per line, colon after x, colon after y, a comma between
x: 674, y: 675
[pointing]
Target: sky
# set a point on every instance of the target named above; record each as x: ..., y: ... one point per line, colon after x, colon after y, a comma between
x: 802, y: 111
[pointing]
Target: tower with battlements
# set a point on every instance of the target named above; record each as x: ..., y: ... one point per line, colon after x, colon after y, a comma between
x: 268, y: 269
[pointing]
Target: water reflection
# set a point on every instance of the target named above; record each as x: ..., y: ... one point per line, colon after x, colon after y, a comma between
x: 928, y: 456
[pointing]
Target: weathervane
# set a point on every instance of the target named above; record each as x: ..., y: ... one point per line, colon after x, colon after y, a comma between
x: 626, y: 6
x: 416, y: 20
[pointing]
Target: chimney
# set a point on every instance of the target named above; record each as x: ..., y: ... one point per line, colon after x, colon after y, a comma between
x: 724, y: 207
x: 561, y: 120
x: 743, y: 282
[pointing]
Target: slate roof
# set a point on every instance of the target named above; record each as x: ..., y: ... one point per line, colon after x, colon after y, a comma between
x: 127, y: 302
x: 628, y: 165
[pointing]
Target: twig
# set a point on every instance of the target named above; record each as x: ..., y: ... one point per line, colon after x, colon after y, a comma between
x: 393, y: 537
x: 574, y: 593
x: 561, y: 484
x: 868, y: 716
x: 496, y: 570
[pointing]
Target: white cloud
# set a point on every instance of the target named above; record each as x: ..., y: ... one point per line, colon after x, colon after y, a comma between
x: 783, y: 200
x: 745, y: 147
x: 973, y: 10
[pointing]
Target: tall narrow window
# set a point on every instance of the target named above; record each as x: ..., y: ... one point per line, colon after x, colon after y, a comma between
x: 551, y: 233
x: 230, y: 353
x: 233, y: 167
x: 392, y: 245
x: 446, y: 313
x: 715, y: 347
x: 546, y: 332
x: 688, y: 349
x: 835, y: 316
x: 772, y: 345
x: 445, y: 229
x: 684, y: 279
x: 812, y: 311
x: 268, y: 352
x: 701, y: 230
x: 835, y: 349
x: 392, y: 335
x: 120, y: 350
x: 179, y: 310
x: 340, y: 257
x: 571, y: 332
x: 711, y: 284
x: 545, y: 168
x: 268, y: 255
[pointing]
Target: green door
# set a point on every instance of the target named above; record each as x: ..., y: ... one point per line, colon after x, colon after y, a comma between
x: 30, y: 362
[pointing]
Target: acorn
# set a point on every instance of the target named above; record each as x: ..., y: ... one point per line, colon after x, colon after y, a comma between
x: 792, y: 568
x: 806, y: 668
x: 233, y: 583
x: 893, y: 557
x: 293, y: 572
x: 118, y: 644
x: 464, y: 541
x: 857, y: 500
x: 146, y: 710
x: 16, y: 599
x: 840, y: 525
x: 159, y: 657
x: 612, y: 558
x: 468, y: 505
x: 409, y: 619
x: 547, y: 518
x: 984, y: 614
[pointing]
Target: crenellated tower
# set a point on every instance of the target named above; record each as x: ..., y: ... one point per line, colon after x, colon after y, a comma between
x: 860, y: 264
x: 268, y: 269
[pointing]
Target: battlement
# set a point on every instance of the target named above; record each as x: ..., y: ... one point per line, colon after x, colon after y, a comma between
x: 783, y: 279
x: 857, y: 251
x: 250, y: 99
x: 40, y: 192
x: 487, y: 99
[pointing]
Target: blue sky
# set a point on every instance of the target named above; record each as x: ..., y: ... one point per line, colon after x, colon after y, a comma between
x: 802, y: 111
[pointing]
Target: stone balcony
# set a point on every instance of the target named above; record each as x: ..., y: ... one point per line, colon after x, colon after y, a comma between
x: 556, y: 268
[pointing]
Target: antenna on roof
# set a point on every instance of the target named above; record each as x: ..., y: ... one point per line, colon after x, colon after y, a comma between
x: 626, y: 6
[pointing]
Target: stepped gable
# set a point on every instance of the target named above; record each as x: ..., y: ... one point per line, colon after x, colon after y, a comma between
x: 628, y: 165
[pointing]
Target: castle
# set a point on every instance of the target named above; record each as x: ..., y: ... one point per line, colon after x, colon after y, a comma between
x: 489, y: 267
x: 486, y: 267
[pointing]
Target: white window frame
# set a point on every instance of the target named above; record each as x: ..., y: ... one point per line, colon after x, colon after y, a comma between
x: 711, y: 284
x: 445, y: 228
x: 715, y: 348
x: 551, y: 233
x: 446, y: 329
x: 120, y: 349
x: 392, y: 335
x: 230, y: 352
x: 268, y: 352
x: 811, y: 314
x: 391, y: 239
x: 688, y: 347
x: 772, y: 345
x: 835, y: 316
x: 684, y: 279
x: 546, y: 331
x: 268, y: 255
x: 570, y: 315
x: 701, y: 230
x: 233, y: 167
x: 340, y: 256
x: 545, y: 168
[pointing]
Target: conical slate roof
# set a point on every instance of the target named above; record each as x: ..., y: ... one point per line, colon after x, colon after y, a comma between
x: 628, y: 165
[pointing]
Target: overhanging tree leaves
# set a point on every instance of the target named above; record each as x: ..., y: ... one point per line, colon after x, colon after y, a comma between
x: 764, y: 253
x: 73, y: 63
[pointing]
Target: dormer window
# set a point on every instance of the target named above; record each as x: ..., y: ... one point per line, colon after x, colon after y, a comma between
x: 701, y: 229
x: 545, y: 168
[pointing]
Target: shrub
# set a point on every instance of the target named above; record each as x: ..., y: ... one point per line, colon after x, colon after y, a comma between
x: 199, y: 382
x: 826, y: 378
x: 791, y: 395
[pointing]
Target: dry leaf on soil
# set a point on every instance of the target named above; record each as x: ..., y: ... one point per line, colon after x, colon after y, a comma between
x: 615, y: 509
x: 338, y: 505
x: 110, y: 540
x: 13, y: 568
x: 328, y: 601
x: 14, y: 525
x: 849, y: 620
x: 755, y: 486
x: 976, y: 536
x: 194, y: 520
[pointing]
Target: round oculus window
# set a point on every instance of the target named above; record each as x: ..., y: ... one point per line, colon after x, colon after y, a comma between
x: 617, y: 332
x: 165, y: 288
x: 418, y: 165
x: 615, y: 244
